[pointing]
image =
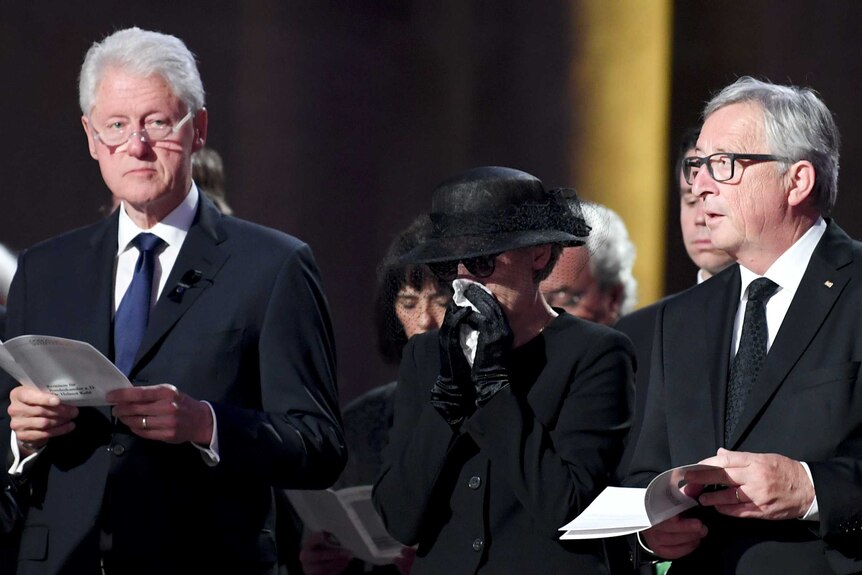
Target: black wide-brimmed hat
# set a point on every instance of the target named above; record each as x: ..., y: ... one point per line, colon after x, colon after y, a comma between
x: 491, y: 210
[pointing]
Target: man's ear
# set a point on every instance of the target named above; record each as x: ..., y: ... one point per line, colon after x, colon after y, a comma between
x: 200, y: 125
x: 91, y: 142
x: 800, y: 177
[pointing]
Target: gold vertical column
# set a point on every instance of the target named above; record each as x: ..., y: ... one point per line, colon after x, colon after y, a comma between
x: 620, y: 94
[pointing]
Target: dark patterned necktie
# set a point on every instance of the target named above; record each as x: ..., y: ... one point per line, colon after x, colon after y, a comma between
x: 134, y: 310
x: 751, y: 353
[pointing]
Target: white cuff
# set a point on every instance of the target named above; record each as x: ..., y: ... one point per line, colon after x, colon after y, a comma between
x: 813, y: 513
x: 210, y: 453
x: 19, y: 466
x: 643, y: 545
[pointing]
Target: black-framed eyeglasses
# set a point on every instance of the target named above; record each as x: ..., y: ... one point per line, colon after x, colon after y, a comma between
x: 721, y: 164
x: 479, y: 266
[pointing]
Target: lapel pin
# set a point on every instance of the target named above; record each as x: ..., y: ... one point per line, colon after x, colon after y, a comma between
x: 189, y: 279
x: 828, y: 283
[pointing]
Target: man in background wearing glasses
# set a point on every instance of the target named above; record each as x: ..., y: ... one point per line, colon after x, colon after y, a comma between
x: 595, y: 281
x: 221, y: 326
x: 757, y: 370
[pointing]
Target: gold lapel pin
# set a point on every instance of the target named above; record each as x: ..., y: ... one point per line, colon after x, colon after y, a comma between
x: 828, y: 283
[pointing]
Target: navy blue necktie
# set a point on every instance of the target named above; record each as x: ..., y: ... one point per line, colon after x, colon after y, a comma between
x: 751, y: 353
x: 134, y: 310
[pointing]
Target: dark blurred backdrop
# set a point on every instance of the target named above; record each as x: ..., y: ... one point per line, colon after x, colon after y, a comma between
x: 336, y: 119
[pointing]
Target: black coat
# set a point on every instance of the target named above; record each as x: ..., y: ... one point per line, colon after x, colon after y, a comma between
x: 806, y: 405
x: 252, y: 336
x: 491, y: 498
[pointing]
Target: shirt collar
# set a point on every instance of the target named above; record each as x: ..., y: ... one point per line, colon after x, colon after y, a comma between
x: 172, y: 229
x: 788, y: 269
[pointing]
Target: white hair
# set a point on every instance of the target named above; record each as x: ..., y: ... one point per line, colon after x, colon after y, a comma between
x: 142, y: 53
x: 612, y: 253
x: 798, y: 126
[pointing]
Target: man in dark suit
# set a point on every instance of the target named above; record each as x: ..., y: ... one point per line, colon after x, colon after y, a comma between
x: 234, y: 377
x: 765, y: 387
x: 640, y: 325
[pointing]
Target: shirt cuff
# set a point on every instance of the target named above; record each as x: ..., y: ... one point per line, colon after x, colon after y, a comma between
x: 813, y: 513
x: 643, y: 545
x: 210, y: 453
x: 19, y: 466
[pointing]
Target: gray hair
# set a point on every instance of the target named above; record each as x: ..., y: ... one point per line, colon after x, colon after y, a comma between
x: 142, y: 53
x: 612, y: 253
x: 797, y: 124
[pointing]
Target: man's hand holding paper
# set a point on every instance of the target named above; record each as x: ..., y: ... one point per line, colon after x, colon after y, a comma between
x: 675, y: 537
x: 36, y: 416
x: 163, y: 413
x: 760, y: 485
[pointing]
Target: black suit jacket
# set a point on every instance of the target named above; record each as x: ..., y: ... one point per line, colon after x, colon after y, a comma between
x: 806, y: 404
x: 252, y: 336
x: 491, y: 496
x: 639, y: 326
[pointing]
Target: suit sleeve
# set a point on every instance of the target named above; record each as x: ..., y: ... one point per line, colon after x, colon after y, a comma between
x: 295, y: 439
x: 651, y: 453
x: 420, y: 442
x: 557, y: 468
x: 838, y: 485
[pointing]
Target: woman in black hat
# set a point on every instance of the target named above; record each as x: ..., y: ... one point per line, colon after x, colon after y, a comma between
x: 510, y: 419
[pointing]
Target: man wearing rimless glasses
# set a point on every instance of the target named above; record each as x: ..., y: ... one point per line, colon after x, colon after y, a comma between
x: 757, y: 371
x: 220, y: 325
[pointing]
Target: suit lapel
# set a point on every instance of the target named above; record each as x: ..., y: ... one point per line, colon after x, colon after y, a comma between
x: 95, y: 302
x: 201, y: 253
x: 825, y: 278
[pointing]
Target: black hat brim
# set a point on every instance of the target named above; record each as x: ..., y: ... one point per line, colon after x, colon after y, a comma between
x: 468, y: 246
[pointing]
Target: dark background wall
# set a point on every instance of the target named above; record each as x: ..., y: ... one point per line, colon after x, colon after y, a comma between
x: 336, y: 119
x: 816, y: 44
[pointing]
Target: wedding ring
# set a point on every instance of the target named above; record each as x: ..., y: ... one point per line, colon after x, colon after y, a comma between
x: 144, y: 426
x: 736, y: 491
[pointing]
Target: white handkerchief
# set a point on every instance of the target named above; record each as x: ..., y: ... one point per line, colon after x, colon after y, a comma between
x: 469, y: 336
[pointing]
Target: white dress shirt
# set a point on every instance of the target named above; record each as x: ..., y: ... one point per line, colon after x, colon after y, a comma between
x: 173, y: 230
x: 787, y: 272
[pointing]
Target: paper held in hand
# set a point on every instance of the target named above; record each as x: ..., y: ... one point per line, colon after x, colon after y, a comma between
x: 625, y: 510
x: 74, y: 371
x: 349, y: 515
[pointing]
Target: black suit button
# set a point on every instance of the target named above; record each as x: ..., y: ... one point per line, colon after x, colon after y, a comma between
x: 474, y: 482
x: 478, y: 544
x: 117, y: 449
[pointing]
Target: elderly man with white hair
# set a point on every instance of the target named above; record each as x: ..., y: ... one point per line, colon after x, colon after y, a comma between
x: 595, y: 281
x: 221, y: 326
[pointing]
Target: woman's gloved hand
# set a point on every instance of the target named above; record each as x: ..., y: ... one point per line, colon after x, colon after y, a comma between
x: 489, y: 373
x: 453, y: 394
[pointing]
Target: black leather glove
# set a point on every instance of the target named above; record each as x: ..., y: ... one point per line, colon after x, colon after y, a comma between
x: 489, y: 374
x: 453, y: 395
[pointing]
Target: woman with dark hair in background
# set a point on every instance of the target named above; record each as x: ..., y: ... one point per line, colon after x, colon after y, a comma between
x: 410, y: 300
